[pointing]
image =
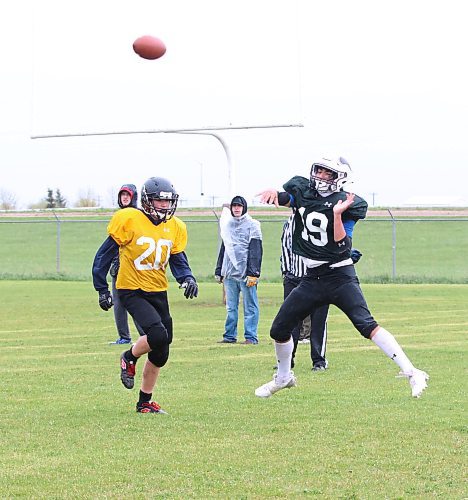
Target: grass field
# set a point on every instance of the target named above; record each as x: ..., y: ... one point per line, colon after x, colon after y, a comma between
x: 69, y: 430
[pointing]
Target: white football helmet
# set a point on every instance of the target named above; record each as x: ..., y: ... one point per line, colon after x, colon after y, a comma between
x: 341, y: 175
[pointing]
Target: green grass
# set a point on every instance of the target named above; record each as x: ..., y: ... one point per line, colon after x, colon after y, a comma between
x: 69, y: 430
x: 427, y: 251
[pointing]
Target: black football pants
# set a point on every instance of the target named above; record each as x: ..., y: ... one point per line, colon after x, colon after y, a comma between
x: 151, y: 311
x: 323, y: 285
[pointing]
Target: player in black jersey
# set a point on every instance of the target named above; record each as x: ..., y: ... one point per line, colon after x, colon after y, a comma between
x: 324, y: 220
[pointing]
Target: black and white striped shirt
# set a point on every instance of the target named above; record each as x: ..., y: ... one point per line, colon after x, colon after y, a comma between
x: 290, y: 262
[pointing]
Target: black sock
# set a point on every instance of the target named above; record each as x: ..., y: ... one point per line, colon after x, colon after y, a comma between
x: 145, y: 397
x: 128, y: 355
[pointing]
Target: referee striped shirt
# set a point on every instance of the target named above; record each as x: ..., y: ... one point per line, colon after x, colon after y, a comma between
x: 290, y: 262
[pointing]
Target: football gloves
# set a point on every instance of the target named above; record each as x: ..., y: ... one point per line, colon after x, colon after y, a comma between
x: 114, y: 269
x: 190, y: 288
x: 251, y: 281
x: 218, y: 278
x: 355, y: 255
x: 105, y: 300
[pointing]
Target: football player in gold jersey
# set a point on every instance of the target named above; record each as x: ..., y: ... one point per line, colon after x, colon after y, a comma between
x: 146, y: 240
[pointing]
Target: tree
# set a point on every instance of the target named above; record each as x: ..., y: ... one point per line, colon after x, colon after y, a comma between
x: 50, y: 200
x: 7, y: 200
x: 60, y: 201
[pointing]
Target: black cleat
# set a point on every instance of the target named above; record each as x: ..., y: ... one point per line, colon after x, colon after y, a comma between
x: 151, y: 407
x: 127, y: 372
x: 320, y: 366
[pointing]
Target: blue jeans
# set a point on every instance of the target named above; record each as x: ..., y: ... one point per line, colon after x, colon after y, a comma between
x: 251, y: 311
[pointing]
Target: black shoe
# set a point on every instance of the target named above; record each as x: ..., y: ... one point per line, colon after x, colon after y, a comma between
x: 127, y: 372
x: 224, y: 341
x: 320, y: 366
x: 150, y: 407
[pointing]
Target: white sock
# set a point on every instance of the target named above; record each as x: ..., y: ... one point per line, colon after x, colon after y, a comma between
x: 387, y: 342
x: 283, y: 356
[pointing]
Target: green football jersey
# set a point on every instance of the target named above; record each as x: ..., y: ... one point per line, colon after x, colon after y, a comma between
x: 313, y: 221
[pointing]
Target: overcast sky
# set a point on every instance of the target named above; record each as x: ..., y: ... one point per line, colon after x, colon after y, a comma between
x: 383, y: 84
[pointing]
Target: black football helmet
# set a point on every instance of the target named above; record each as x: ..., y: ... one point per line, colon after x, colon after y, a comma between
x: 158, y: 188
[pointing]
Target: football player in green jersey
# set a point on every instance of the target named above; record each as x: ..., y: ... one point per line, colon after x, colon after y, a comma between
x: 325, y: 216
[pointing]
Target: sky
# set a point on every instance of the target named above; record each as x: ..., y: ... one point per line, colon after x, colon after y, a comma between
x: 382, y: 84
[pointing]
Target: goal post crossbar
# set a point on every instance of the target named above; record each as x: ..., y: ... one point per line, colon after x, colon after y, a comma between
x: 163, y: 131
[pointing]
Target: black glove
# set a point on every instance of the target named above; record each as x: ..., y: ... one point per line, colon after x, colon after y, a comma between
x: 114, y: 268
x: 191, y: 288
x: 355, y: 255
x: 105, y: 300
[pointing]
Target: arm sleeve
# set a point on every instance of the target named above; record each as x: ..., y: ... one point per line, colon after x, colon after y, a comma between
x: 180, y: 268
x: 108, y: 251
x: 254, y: 261
x: 219, y: 263
x: 349, y: 227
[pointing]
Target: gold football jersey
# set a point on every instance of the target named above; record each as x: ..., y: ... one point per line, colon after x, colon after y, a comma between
x: 145, y: 248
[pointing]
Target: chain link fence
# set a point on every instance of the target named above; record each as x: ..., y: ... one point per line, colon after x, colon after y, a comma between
x: 416, y: 250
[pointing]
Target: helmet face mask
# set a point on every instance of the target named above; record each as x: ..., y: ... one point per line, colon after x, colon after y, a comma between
x: 341, y: 174
x: 158, y: 189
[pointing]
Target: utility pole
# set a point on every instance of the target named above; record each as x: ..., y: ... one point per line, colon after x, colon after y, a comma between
x: 201, y: 179
x: 202, y: 194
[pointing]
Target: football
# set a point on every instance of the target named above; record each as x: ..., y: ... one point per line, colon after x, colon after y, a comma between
x: 149, y: 47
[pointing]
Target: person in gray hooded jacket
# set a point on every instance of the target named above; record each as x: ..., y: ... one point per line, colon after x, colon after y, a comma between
x: 238, y: 267
x: 127, y: 197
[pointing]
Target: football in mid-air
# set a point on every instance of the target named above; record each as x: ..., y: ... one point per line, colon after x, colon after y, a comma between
x: 149, y: 47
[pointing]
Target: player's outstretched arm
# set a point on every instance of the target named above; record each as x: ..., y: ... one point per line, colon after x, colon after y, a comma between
x: 273, y: 197
x: 269, y: 196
